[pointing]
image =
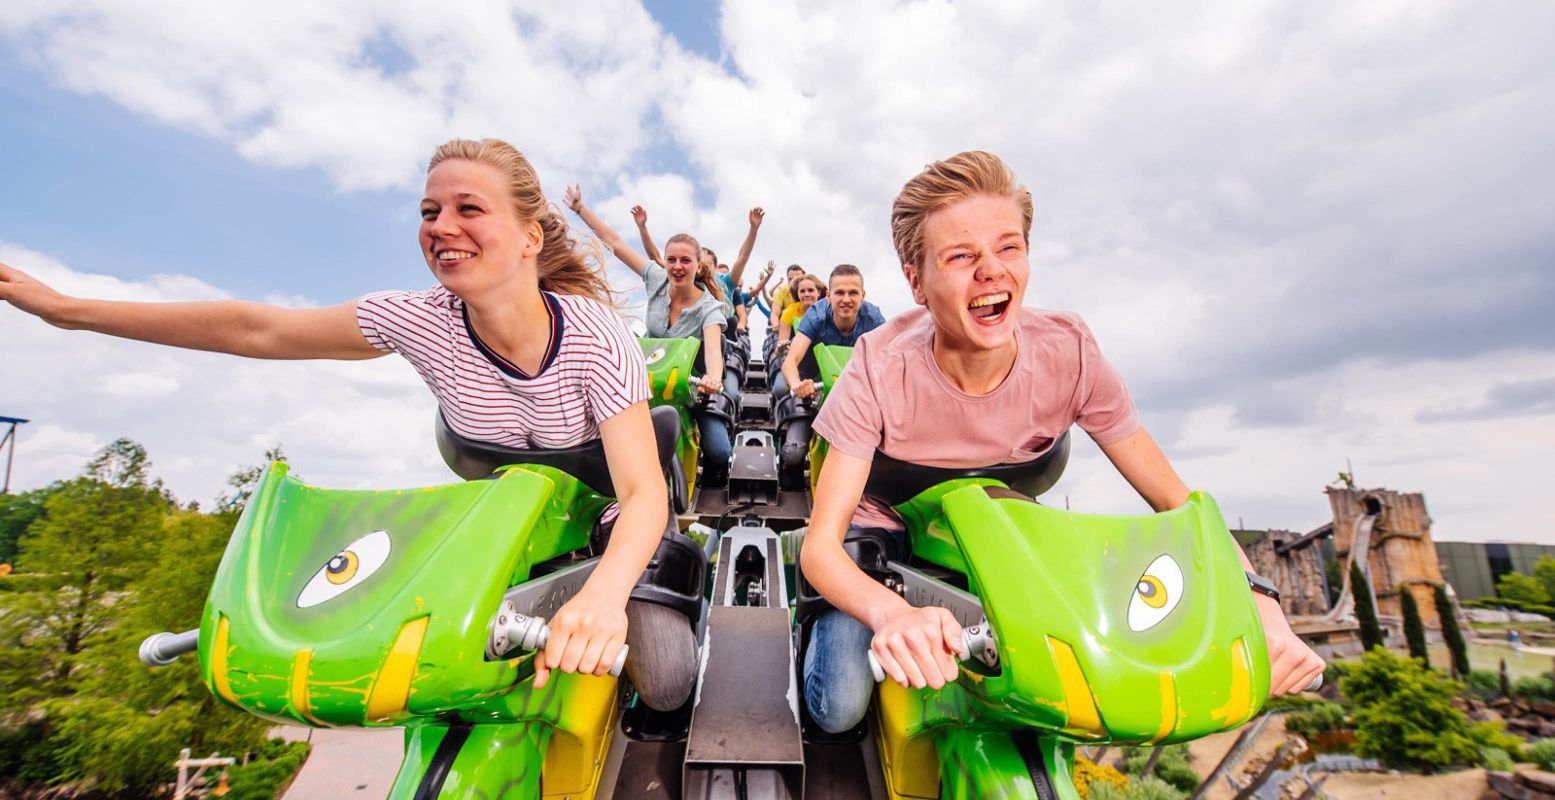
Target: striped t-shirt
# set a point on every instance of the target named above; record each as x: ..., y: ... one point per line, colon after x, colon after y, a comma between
x: 592, y: 371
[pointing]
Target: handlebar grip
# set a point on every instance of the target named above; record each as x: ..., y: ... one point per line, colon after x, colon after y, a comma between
x: 161, y: 649
x: 977, y: 642
x: 514, y: 631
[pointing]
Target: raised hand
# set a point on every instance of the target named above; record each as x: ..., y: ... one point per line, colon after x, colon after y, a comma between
x: 639, y: 216
x: 756, y: 216
x: 574, y: 196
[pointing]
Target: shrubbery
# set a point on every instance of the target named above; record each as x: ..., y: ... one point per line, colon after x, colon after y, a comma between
x: 1534, y: 687
x: 264, y: 777
x: 1320, y: 718
x: 1404, y: 716
x: 1140, y: 789
x: 1091, y: 778
x: 1171, y: 767
x: 1541, y: 752
x: 1483, y: 684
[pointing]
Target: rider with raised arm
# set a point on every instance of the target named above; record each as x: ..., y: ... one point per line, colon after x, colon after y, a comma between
x: 973, y: 379
x: 684, y: 301
x: 509, y: 342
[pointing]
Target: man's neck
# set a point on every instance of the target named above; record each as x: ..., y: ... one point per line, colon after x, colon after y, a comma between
x: 975, y: 372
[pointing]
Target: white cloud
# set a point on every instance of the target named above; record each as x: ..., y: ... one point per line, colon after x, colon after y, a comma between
x: 1302, y: 233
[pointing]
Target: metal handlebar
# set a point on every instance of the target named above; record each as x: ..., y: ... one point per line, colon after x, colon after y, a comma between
x: 161, y: 649
x: 514, y: 631
x: 977, y: 642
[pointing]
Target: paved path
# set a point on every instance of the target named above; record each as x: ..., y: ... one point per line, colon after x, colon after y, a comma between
x: 353, y: 763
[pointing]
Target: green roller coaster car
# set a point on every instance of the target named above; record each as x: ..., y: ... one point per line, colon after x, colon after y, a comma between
x: 1122, y: 629
x: 832, y: 360
x: 372, y: 608
x: 670, y: 366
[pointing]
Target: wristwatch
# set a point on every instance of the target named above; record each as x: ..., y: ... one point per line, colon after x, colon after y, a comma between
x: 1263, y: 586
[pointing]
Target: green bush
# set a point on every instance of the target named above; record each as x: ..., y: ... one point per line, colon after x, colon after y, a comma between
x: 263, y: 778
x: 1404, y: 716
x: 1152, y: 789
x: 1320, y: 718
x: 1172, y: 767
x: 1492, y: 733
x: 1483, y: 684
x: 1541, y: 752
x: 1299, y: 702
x: 1494, y: 758
x: 1534, y: 687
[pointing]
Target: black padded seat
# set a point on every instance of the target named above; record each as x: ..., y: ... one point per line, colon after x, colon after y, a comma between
x: 892, y: 481
x: 473, y: 460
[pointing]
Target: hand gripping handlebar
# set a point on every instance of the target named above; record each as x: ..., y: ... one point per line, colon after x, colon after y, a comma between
x: 977, y: 642
x: 514, y: 631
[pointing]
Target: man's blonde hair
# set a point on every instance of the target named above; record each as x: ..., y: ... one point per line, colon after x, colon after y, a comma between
x: 943, y: 183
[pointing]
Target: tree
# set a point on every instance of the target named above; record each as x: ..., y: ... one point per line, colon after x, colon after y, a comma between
x: 1522, y: 588
x: 1414, y: 627
x: 246, y: 480
x: 1365, y: 610
x: 1451, y: 633
x: 86, y: 548
x: 1333, y: 572
x: 111, y: 560
x: 17, y: 511
x: 1544, y: 573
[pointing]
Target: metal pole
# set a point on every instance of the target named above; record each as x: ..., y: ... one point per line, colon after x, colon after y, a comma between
x: 10, y: 439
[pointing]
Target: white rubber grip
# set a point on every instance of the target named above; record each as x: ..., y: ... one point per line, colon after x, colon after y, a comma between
x: 514, y: 631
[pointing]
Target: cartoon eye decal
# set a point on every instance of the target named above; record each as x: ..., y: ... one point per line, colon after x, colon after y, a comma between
x: 347, y: 568
x: 1156, y: 593
x: 655, y: 356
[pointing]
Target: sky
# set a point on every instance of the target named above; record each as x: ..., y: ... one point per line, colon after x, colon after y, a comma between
x: 1307, y: 234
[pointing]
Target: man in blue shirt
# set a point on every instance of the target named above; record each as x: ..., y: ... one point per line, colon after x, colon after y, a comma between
x: 838, y: 319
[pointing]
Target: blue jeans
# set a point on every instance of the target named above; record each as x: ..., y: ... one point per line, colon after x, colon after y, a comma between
x: 837, y: 681
x: 717, y: 444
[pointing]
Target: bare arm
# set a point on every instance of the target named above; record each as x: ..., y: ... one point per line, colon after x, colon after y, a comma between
x: 1140, y: 461
x: 738, y: 267
x: 223, y: 326
x: 606, y: 234
x: 796, y: 351
x: 588, y: 631
x: 1293, y: 664
x: 640, y: 216
x: 914, y: 645
x: 713, y: 357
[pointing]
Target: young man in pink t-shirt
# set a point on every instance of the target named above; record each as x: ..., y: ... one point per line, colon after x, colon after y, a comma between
x: 971, y: 380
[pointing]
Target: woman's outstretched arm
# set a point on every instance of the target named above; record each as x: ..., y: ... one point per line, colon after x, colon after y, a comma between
x: 223, y: 326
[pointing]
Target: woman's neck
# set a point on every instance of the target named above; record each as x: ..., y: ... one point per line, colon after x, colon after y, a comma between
x: 687, y: 292
x: 516, y: 324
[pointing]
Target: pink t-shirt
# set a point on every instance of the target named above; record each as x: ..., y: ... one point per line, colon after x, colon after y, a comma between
x: 893, y: 397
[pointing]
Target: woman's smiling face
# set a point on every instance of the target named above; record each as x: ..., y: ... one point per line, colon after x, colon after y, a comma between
x: 680, y: 261
x: 471, y: 236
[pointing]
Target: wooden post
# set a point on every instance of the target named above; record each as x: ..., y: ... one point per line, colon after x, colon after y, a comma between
x: 1155, y: 755
x: 186, y: 786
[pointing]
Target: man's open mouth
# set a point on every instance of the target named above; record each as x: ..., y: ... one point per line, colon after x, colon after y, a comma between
x: 990, y: 308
